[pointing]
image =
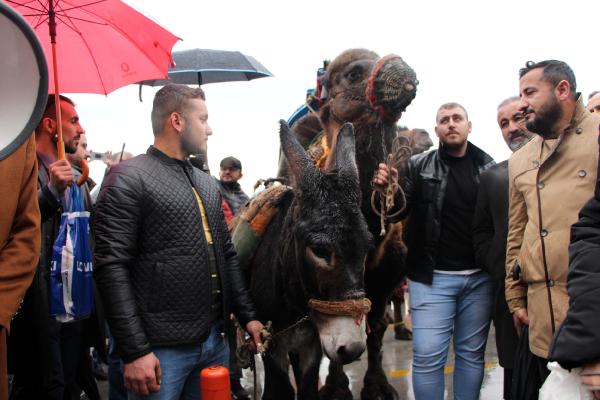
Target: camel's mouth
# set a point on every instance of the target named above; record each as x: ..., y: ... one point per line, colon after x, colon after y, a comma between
x: 392, y: 86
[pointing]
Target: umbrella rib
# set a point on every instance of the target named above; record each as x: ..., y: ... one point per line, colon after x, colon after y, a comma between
x: 26, y: 6
x: 61, y: 11
x: 40, y: 22
x: 129, y: 38
x: 83, y: 5
x: 81, y: 19
x: 69, y: 24
x: 74, y: 28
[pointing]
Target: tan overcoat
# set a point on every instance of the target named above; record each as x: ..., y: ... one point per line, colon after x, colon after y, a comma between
x: 19, y: 237
x: 549, y: 181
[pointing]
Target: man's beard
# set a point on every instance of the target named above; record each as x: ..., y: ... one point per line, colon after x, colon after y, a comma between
x: 544, y: 120
x: 515, y: 145
x: 188, y: 145
x: 70, y: 148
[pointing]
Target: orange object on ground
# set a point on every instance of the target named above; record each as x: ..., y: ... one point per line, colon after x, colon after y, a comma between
x: 214, y: 384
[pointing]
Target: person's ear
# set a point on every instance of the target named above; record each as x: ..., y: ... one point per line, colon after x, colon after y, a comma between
x: 49, y: 125
x: 562, y: 90
x: 176, y: 121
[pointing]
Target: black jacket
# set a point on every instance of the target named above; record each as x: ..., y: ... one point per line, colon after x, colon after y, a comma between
x: 490, y: 222
x: 490, y: 229
x: 425, y: 186
x: 233, y: 195
x: 151, y: 255
x: 577, y: 341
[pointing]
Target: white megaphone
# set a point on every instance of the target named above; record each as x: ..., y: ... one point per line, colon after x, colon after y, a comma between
x: 23, y: 81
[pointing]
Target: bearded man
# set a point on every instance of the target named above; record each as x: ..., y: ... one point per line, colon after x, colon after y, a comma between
x: 164, y: 262
x: 490, y: 227
x: 594, y: 102
x: 550, y: 179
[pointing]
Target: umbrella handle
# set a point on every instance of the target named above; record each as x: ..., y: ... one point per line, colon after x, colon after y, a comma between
x: 85, y: 172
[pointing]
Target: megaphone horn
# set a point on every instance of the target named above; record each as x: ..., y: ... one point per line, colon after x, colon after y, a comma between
x: 23, y: 81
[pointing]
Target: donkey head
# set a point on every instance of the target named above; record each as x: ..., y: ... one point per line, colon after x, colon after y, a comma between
x: 330, y: 243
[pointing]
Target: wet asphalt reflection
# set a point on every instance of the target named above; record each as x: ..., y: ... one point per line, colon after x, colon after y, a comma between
x: 397, y: 355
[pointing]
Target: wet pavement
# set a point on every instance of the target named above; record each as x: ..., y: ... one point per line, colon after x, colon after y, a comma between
x: 397, y: 355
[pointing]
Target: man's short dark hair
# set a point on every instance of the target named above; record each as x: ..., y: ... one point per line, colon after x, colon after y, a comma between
x: 172, y: 98
x: 50, y: 111
x: 231, y: 162
x: 509, y: 100
x: 553, y: 72
x: 595, y: 92
x: 449, y: 106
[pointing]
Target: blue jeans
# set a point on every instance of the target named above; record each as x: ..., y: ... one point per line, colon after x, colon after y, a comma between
x: 459, y: 304
x: 181, y: 366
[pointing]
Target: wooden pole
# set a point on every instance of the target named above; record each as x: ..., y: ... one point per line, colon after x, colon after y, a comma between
x: 60, y: 144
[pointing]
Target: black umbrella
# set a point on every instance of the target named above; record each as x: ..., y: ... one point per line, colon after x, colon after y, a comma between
x: 201, y: 66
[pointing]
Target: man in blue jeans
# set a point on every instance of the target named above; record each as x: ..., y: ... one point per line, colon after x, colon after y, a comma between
x: 164, y: 262
x: 449, y: 294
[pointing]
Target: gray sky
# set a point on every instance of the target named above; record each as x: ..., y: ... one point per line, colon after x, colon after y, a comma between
x: 463, y: 51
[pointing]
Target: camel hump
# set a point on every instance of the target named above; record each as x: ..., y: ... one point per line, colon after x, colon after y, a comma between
x: 307, y: 129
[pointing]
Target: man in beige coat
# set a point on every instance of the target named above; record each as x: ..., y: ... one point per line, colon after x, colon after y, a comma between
x: 19, y: 238
x: 550, y: 179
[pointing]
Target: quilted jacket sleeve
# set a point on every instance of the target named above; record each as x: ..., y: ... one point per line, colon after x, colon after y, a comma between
x: 577, y: 341
x: 116, y: 222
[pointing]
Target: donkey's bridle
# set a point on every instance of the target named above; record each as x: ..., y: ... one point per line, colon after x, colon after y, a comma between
x: 355, y: 308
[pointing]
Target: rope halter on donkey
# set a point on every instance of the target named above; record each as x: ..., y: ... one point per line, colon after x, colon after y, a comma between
x: 355, y: 308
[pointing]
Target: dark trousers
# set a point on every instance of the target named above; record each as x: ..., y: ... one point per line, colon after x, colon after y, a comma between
x: 542, y: 369
x: 235, y: 372
x: 529, y: 372
x: 116, y: 382
x: 85, y: 379
x: 50, y: 372
x: 3, y: 369
x: 507, y: 339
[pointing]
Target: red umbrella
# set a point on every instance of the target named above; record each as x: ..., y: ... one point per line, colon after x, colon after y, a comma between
x: 96, y: 46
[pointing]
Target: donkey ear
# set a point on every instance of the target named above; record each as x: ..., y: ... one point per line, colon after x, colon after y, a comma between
x: 345, y: 152
x: 299, y: 163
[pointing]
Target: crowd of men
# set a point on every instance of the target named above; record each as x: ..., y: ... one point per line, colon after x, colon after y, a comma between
x: 486, y: 242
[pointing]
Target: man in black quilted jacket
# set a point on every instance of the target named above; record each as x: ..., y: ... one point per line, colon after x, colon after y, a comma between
x: 164, y: 262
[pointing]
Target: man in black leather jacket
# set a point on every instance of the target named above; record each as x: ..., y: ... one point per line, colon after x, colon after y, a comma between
x: 164, y: 262
x: 490, y: 229
x: 449, y: 294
